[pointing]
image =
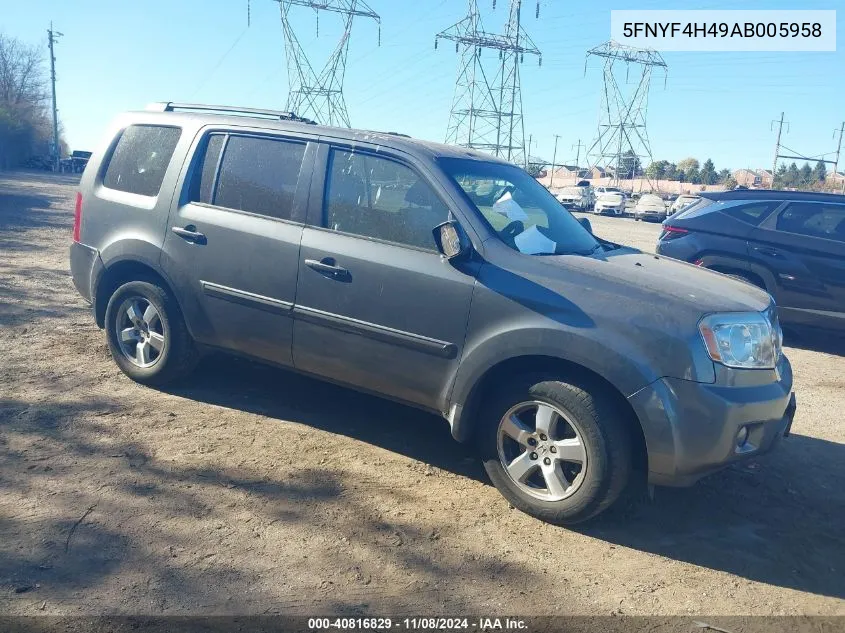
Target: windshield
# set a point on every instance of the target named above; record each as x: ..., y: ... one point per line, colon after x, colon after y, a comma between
x: 573, y: 191
x: 520, y: 210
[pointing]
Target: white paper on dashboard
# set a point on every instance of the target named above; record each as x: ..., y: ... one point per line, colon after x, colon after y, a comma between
x: 532, y: 242
x: 510, y: 207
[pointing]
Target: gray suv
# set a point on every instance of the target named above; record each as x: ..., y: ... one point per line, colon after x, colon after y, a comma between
x: 433, y: 275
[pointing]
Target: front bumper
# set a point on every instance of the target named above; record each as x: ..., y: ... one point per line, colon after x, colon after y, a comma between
x: 691, y: 428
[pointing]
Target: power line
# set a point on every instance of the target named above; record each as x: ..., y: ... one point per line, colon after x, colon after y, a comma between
x: 220, y: 61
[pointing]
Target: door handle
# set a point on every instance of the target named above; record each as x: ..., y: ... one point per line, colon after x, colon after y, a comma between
x: 327, y: 266
x: 770, y: 252
x: 190, y: 234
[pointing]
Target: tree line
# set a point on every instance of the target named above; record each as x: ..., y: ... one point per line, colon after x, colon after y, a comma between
x: 26, y: 128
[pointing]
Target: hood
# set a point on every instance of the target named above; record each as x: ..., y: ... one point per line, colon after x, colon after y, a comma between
x: 612, y: 196
x: 664, y: 283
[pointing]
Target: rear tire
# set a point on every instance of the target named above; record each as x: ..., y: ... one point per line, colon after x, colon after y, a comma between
x: 147, y: 335
x: 555, y: 416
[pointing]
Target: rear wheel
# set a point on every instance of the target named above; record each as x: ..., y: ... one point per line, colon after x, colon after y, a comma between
x: 555, y: 450
x: 147, y: 335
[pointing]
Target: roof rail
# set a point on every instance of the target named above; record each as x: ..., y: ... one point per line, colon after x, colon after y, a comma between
x: 169, y: 106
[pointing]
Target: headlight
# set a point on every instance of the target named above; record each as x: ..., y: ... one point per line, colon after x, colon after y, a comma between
x: 747, y: 340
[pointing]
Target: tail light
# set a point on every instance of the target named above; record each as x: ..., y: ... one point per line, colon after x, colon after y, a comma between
x: 77, y: 217
x: 672, y: 233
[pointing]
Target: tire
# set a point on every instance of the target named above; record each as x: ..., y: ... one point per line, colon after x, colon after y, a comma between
x: 606, y: 448
x: 170, y: 351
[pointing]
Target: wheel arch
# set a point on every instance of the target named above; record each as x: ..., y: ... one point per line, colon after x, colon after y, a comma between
x: 727, y: 264
x: 463, y: 416
x: 122, y: 271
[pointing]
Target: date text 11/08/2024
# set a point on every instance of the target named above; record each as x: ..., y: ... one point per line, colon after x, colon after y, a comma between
x: 418, y: 624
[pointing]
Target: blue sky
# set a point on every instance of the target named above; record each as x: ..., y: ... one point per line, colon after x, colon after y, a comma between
x: 117, y: 56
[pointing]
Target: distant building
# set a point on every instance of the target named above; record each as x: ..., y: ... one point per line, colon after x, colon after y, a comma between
x: 760, y: 178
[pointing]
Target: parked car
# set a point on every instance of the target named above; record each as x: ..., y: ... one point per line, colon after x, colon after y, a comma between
x: 579, y: 198
x: 464, y: 289
x: 791, y: 244
x: 609, y: 201
x: 650, y: 207
x: 683, y: 201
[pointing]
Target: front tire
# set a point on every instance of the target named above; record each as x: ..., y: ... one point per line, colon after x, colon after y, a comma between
x: 147, y: 335
x: 557, y: 451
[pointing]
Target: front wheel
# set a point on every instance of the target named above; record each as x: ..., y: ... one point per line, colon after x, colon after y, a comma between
x: 555, y: 450
x: 147, y: 335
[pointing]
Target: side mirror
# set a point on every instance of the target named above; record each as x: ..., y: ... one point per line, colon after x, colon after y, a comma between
x: 585, y: 222
x: 451, y: 241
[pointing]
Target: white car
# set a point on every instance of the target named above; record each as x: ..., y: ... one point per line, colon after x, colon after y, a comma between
x: 683, y: 201
x: 579, y: 198
x: 650, y: 207
x: 609, y: 201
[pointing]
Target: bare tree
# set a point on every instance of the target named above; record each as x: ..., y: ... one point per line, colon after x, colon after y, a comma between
x: 24, y: 115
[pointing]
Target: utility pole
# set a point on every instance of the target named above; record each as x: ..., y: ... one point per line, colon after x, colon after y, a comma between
x: 777, y: 147
x: 51, y: 39
x: 841, y: 130
x: 528, y: 150
x: 554, y: 159
x: 579, y: 145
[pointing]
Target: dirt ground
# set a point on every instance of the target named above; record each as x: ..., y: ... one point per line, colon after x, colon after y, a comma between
x: 252, y: 490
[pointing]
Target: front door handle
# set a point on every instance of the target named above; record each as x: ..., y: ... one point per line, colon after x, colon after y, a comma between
x: 327, y: 266
x: 190, y: 234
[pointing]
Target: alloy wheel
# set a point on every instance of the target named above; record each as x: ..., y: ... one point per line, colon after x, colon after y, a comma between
x: 140, y: 331
x: 542, y: 450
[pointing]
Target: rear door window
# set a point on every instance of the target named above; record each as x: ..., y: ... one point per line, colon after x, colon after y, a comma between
x: 752, y: 213
x: 814, y: 220
x: 257, y: 175
x: 140, y: 159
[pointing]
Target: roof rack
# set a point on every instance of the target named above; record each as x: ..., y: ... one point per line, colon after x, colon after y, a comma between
x: 169, y: 106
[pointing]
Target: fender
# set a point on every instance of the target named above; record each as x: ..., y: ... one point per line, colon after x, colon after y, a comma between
x: 720, y: 260
x: 127, y: 251
x: 611, y: 358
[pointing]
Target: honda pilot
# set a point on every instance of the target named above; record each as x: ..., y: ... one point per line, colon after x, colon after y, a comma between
x: 433, y: 275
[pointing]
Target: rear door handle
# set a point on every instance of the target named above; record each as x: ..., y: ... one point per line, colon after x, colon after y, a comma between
x: 327, y: 266
x: 769, y: 252
x: 189, y: 233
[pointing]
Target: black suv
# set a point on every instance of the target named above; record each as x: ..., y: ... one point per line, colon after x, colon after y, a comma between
x: 434, y: 275
x: 790, y: 243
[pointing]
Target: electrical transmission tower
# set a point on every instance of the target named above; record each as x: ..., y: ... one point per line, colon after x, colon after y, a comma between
x: 622, y: 142
x: 487, y: 107
x: 313, y: 95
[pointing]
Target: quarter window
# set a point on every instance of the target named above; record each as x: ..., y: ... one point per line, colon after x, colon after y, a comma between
x: 814, y: 220
x: 376, y: 197
x: 140, y: 159
x: 257, y: 175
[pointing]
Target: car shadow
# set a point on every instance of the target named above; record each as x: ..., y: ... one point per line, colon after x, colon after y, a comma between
x: 776, y: 521
x: 284, y: 395
x: 736, y: 521
x: 815, y: 341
